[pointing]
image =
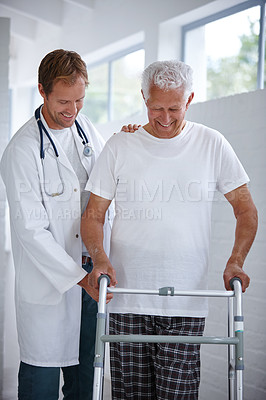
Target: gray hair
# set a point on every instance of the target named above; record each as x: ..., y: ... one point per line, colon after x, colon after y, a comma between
x: 168, y: 75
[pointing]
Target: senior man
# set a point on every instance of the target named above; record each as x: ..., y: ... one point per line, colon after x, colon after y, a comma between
x: 163, y: 178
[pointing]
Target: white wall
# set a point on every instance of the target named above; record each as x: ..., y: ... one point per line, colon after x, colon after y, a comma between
x: 242, y: 120
x: 91, y: 32
x: 4, y: 131
x: 111, y: 26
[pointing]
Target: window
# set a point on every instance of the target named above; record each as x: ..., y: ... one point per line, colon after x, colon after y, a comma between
x: 227, y: 51
x: 96, y: 100
x: 114, y: 89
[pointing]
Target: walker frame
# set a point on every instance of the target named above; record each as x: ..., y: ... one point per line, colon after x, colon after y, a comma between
x: 234, y: 340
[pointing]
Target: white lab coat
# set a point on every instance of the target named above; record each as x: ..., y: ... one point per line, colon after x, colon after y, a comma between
x: 46, y: 244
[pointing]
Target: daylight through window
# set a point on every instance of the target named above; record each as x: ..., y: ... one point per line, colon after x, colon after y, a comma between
x: 225, y: 52
x: 114, y: 89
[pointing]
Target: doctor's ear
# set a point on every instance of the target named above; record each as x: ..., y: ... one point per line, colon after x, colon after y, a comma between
x: 41, y: 90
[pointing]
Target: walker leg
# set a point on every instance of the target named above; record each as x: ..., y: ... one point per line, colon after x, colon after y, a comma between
x: 231, y: 351
x: 99, y: 344
x: 239, y: 333
x: 239, y: 388
x: 98, y: 383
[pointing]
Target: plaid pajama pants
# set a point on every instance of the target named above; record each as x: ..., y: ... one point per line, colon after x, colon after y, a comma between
x: 155, y: 371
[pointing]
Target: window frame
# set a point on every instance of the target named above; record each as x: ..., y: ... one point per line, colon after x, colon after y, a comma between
x: 109, y: 60
x: 226, y: 13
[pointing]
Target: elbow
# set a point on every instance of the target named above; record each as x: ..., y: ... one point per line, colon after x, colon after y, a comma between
x: 253, y: 222
x: 255, y: 217
x: 253, y: 214
x: 249, y: 217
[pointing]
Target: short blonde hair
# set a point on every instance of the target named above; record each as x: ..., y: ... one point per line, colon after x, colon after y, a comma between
x: 61, y: 64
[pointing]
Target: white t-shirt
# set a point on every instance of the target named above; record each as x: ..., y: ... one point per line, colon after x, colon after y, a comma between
x: 66, y: 139
x: 163, y: 190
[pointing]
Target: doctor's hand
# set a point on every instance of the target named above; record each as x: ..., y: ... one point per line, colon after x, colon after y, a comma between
x: 84, y: 283
x: 130, y: 128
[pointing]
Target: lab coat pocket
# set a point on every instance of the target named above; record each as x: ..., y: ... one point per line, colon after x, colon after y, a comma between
x: 33, y: 287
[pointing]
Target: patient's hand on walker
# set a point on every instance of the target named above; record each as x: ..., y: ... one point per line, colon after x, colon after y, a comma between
x: 101, y: 266
x: 233, y: 270
x: 92, y: 291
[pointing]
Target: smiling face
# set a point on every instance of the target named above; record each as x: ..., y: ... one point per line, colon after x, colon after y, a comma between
x: 166, y: 112
x: 63, y: 104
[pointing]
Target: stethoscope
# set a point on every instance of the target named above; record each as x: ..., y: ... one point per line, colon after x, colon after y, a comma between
x: 87, y: 151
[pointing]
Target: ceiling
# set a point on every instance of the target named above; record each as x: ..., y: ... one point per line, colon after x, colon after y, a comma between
x: 26, y: 14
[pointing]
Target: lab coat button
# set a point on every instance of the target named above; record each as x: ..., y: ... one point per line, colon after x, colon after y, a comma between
x: 75, y: 190
x: 77, y: 235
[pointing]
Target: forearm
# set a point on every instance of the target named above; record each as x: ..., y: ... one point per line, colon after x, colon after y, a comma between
x: 245, y: 232
x: 92, y: 235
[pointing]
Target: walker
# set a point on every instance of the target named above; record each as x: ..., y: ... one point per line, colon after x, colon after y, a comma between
x: 234, y: 340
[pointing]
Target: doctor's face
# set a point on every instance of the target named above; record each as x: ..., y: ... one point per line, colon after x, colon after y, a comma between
x: 63, y: 104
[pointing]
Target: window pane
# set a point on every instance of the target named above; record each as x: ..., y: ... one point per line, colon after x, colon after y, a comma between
x: 96, y: 100
x: 224, y: 55
x: 126, y: 96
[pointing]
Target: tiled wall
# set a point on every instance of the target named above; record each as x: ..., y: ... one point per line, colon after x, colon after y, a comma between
x: 242, y: 120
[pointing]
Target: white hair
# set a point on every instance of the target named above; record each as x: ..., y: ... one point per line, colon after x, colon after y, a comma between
x: 167, y: 75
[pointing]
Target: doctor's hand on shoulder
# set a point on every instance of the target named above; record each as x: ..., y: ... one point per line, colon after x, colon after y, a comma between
x: 130, y: 128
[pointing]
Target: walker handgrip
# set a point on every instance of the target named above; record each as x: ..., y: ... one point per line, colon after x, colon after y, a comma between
x: 232, y: 281
x: 104, y: 276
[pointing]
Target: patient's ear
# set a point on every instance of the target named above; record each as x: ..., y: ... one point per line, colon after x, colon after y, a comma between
x: 190, y: 100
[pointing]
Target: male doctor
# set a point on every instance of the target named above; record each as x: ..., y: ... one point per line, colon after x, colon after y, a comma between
x: 55, y: 318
